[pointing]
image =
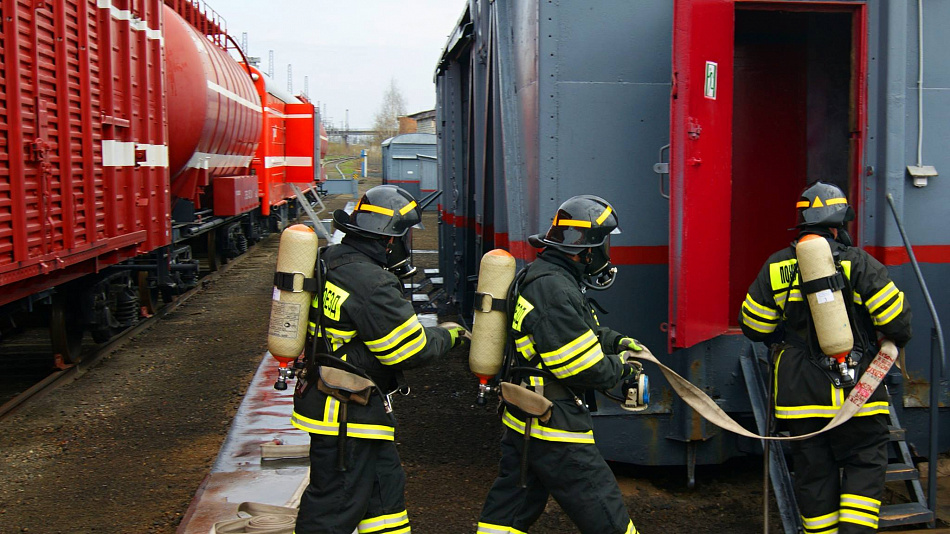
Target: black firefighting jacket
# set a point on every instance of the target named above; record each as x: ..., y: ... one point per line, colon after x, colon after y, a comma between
x: 555, y: 329
x: 775, y: 310
x: 370, y: 325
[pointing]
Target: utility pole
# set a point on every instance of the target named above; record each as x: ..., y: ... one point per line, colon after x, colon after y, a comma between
x: 290, y: 78
x: 306, y: 86
x: 270, y: 64
x: 346, y: 129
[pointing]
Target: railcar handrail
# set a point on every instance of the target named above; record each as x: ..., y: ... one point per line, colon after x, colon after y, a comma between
x: 935, y: 373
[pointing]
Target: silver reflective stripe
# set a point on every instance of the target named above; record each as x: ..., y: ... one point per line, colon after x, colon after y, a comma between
x: 375, y: 524
x: 354, y: 430
x: 859, y: 518
x: 546, y: 433
x: 590, y: 358
x: 859, y: 501
x: 393, y: 338
x: 404, y: 351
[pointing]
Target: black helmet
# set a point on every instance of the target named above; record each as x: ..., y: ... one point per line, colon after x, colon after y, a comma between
x: 580, y: 222
x: 824, y: 205
x: 583, y: 223
x: 384, y: 211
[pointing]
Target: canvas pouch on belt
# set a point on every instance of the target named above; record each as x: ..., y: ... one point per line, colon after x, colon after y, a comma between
x: 529, y: 402
x: 344, y: 385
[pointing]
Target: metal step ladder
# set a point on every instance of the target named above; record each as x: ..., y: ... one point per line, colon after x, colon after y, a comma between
x: 903, y: 469
x: 754, y: 370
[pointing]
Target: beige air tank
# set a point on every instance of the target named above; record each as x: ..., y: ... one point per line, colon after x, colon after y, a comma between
x: 290, y: 309
x: 490, y: 328
x: 828, y: 310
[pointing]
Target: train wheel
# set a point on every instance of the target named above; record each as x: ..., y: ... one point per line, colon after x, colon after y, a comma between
x: 65, y: 330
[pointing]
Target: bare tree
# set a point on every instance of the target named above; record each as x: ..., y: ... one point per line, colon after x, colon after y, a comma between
x: 386, y: 120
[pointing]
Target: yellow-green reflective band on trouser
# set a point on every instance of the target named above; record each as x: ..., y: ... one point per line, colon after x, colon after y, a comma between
x: 488, y: 528
x: 631, y: 529
x: 858, y: 518
x: 353, y: 430
x: 823, y: 524
x: 859, y: 510
x: 546, y: 433
x: 385, y: 522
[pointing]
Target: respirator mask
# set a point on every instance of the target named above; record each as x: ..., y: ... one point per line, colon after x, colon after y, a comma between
x: 599, y: 273
x: 399, y: 257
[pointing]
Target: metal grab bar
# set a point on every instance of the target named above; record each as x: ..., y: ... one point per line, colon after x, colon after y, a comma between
x: 937, y: 365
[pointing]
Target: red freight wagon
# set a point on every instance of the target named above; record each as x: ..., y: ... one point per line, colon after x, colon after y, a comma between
x: 83, y: 157
x: 127, y: 140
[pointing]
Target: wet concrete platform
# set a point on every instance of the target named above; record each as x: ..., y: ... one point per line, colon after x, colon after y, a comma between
x: 239, y: 474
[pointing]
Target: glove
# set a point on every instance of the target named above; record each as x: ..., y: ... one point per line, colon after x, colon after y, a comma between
x: 458, y: 333
x: 628, y: 343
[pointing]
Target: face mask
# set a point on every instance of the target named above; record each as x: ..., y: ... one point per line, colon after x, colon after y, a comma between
x: 599, y: 273
x: 399, y: 258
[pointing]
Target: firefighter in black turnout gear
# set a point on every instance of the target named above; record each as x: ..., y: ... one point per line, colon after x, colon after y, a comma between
x: 807, y: 392
x: 356, y: 480
x: 554, y: 329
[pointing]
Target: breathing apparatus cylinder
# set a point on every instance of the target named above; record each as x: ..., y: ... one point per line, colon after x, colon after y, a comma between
x: 490, y: 323
x: 290, y: 308
x: 828, y: 310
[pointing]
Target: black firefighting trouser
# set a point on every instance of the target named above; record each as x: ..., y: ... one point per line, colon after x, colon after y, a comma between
x: 849, y: 501
x: 369, y: 495
x: 575, y: 474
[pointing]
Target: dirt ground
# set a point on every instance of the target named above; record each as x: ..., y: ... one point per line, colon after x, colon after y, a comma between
x: 123, y: 449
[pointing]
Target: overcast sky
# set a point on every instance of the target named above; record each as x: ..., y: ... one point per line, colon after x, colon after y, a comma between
x: 348, y: 49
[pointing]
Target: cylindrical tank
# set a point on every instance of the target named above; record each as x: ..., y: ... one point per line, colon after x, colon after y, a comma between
x: 490, y: 326
x: 828, y: 311
x: 214, y: 113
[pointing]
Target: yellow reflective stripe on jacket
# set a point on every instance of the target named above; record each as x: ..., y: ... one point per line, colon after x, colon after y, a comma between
x: 759, y: 317
x: 794, y: 295
x: 385, y: 522
x: 878, y: 299
x: 804, y: 412
x: 395, y: 336
x: 630, y: 528
x: 823, y: 524
x: 331, y: 410
x: 539, y: 431
x: 402, y: 342
x: 576, y: 356
x: 525, y: 346
x: 765, y: 312
x: 488, y: 528
x: 571, y: 349
x: 892, y: 311
x: 353, y: 430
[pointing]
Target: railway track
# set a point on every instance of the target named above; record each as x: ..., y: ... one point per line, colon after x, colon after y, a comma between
x: 63, y: 373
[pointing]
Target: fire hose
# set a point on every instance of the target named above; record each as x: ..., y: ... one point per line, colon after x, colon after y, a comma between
x: 706, y: 407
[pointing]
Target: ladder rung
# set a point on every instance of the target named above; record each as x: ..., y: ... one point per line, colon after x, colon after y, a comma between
x: 904, y: 514
x: 900, y: 471
x: 896, y: 433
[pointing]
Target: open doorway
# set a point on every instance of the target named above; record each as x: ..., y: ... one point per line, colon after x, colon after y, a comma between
x: 797, y: 118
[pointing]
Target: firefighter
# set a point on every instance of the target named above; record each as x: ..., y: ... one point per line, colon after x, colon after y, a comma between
x: 555, y: 329
x: 808, y: 389
x: 357, y: 481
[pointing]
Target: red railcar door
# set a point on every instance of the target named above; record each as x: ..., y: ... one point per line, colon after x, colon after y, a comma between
x: 700, y: 169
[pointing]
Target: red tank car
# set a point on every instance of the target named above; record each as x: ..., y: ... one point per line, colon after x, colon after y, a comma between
x: 132, y: 145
